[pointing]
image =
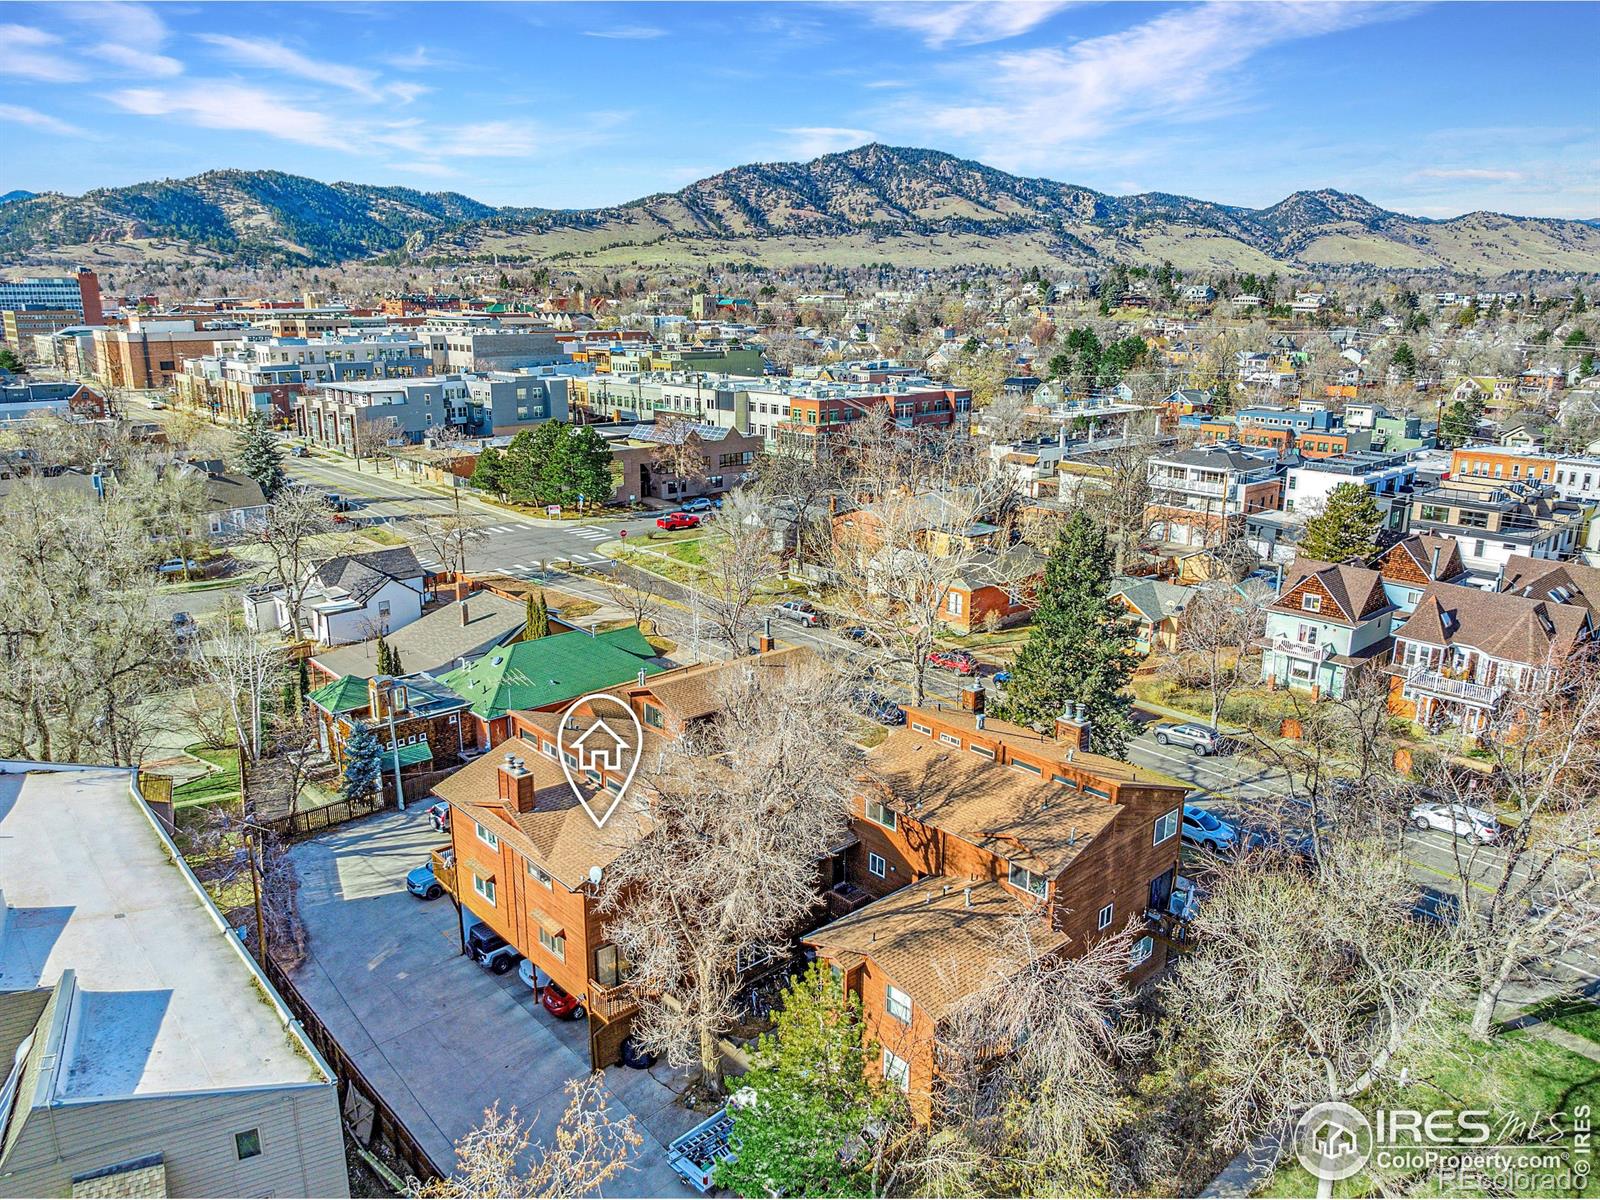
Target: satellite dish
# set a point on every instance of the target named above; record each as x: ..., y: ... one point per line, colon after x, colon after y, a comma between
x: 594, y: 876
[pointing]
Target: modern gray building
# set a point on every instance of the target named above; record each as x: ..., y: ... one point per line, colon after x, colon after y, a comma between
x: 496, y: 402
x: 475, y: 344
x: 147, y: 1054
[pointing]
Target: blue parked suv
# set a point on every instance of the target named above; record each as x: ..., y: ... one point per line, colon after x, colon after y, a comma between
x: 423, y: 883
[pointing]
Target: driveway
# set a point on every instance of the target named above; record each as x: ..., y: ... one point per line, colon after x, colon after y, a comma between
x: 438, y: 1036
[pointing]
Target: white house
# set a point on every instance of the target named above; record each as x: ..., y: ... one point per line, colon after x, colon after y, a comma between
x: 350, y: 598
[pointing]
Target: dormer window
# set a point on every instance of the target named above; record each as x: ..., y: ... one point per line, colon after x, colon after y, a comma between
x: 1311, y: 602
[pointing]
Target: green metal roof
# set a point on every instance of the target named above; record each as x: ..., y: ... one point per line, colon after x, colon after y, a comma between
x: 547, y: 670
x: 410, y: 756
x: 345, y: 694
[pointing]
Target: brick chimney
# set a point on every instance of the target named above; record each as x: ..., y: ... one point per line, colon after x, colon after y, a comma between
x: 972, y: 698
x: 515, y: 783
x: 766, y: 642
x: 465, y: 615
x: 1073, y: 727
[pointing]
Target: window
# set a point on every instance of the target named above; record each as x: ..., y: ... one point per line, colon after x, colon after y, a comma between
x: 898, y: 1004
x: 247, y: 1144
x: 556, y: 943
x: 982, y: 751
x: 1021, y: 877
x: 1311, y: 603
x: 876, y: 865
x: 950, y: 739
x: 487, y: 838
x: 541, y: 876
x: 897, y: 1071
x: 610, y: 968
x: 922, y: 729
x: 484, y: 887
x: 1105, y: 916
x: 1166, y: 826
x: 879, y: 815
x: 952, y: 604
x: 1028, y: 767
x: 653, y: 717
x: 1142, y: 950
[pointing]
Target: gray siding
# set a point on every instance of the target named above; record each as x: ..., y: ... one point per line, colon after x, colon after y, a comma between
x: 302, y: 1146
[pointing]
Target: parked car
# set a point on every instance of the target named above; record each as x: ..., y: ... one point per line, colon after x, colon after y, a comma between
x: 1202, y: 739
x: 298, y: 451
x: 1204, y: 828
x: 700, y: 504
x: 677, y: 520
x: 634, y: 1056
x: 439, y: 817
x: 856, y: 633
x: 1461, y: 820
x: 879, y: 707
x: 1300, y: 847
x: 958, y: 661
x: 491, y: 951
x: 797, y: 610
x: 423, y: 883
x: 177, y: 566
x: 337, y: 502
x: 559, y: 1003
x: 1002, y: 676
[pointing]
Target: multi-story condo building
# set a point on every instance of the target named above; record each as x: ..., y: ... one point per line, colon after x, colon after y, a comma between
x: 1201, y: 496
x: 151, y: 351
x: 483, y: 343
x: 266, y: 375
x: 148, y: 1055
x: 1496, y: 520
x: 1389, y: 477
x: 1574, y: 476
x: 496, y: 403
x: 78, y: 294
x: 800, y: 411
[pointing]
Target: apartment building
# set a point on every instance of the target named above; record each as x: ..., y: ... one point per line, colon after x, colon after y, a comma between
x: 267, y: 375
x: 475, y: 344
x: 1389, y: 477
x: 493, y: 404
x: 69, y: 349
x: 800, y: 411
x: 968, y: 827
x: 1201, y: 496
x: 151, y: 352
x: 78, y: 293
x: 147, y: 1053
x: 1496, y: 520
x: 726, y: 457
x: 1573, y: 476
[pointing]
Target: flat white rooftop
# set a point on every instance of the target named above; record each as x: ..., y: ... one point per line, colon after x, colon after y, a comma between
x: 167, y: 1000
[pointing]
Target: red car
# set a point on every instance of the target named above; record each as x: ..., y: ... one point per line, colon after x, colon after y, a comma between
x: 559, y: 1004
x: 677, y: 520
x: 958, y: 661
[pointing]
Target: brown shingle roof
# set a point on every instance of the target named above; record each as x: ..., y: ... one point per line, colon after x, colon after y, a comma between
x: 693, y: 692
x: 1516, y: 628
x: 1419, y: 547
x: 1562, y: 582
x: 1001, y: 809
x: 938, y: 939
x: 1358, y: 591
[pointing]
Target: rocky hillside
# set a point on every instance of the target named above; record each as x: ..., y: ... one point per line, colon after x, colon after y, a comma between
x: 868, y: 204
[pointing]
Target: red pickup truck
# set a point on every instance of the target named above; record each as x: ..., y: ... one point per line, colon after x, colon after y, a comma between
x: 677, y: 520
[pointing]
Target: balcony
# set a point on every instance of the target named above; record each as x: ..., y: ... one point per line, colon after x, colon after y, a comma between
x: 443, y: 862
x: 1426, y: 681
x: 1306, y: 650
x: 612, y: 1003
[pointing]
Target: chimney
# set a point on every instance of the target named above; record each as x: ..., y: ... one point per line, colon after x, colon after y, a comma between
x: 515, y: 782
x: 765, y: 643
x: 1433, y: 563
x: 972, y: 698
x: 977, y: 720
x: 1073, y: 727
x: 966, y: 896
x: 641, y: 676
x: 465, y: 616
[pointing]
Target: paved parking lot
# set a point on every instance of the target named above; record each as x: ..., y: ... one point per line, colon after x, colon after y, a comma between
x: 439, y: 1037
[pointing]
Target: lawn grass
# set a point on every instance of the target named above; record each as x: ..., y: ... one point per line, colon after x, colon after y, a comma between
x: 574, y: 610
x: 221, y: 783
x: 384, y: 537
x: 1517, y: 1074
x: 1575, y: 1014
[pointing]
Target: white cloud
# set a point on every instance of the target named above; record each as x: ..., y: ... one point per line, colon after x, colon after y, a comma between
x: 30, y: 53
x: 275, y: 56
x: 125, y: 23
x: 809, y: 141
x: 627, y: 33
x: 432, y: 170
x: 145, y: 62
x: 17, y: 115
x: 482, y: 139
x: 1478, y: 173
x: 220, y: 104
x: 1180, y: 66
x: 966, y: 22
x: 406, y: 92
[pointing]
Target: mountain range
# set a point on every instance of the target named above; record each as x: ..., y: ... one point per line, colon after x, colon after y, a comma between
x: 872, y: 204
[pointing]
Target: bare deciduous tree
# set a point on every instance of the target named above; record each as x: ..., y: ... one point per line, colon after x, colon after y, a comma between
x: 635, y: 594
x: 739, y: 814
x: 679, y: 455
x: 1314, y: 988
x: 1535, y: 894
x: 452, y: 538
x: 368, y: 439
x: 500, y: 1159
x: 247, y: 674
x: 294, y: 521
x: 1218, y: 628
x: 738, y: 559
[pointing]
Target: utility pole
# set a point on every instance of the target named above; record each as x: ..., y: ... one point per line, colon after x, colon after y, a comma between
x: 251, y: 845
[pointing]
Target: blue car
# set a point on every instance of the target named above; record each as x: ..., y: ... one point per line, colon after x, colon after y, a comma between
x: 1002, y: 676
x: 423, y: 883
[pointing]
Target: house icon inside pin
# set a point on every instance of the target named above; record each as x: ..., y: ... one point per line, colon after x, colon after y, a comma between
x: 600, y: 756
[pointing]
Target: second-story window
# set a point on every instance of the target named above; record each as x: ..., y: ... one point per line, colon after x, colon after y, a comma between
x: 876, y: 865
x: 541, y: 877
x: 878, y: 814
x: 898, y: 1004
x: 487, y: 838
x: 1026, y: 880
x: 1311, y: 602
x: 1166, y: 826
x: 1105, y: 916
x: 484, y: 886
x: 555, y: 943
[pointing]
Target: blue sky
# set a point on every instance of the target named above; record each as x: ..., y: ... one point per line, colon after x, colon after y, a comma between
x: 1432, y: 109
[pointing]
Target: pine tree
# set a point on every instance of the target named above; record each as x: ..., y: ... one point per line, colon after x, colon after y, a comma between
x: 259, y: 457
x: 395, y: 666
x: 820, y: 1093
x: 384, y: 665
x: 1346, y: 530
x: 1080, y: 648
x: 305, y: 677
x: 489, y: 473
x: 363, y: 763
x: 537, y: 623
x: 1404, y: 358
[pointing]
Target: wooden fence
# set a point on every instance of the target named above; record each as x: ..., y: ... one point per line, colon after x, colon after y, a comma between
x: 368, y: 1118
x: 324, y: 816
